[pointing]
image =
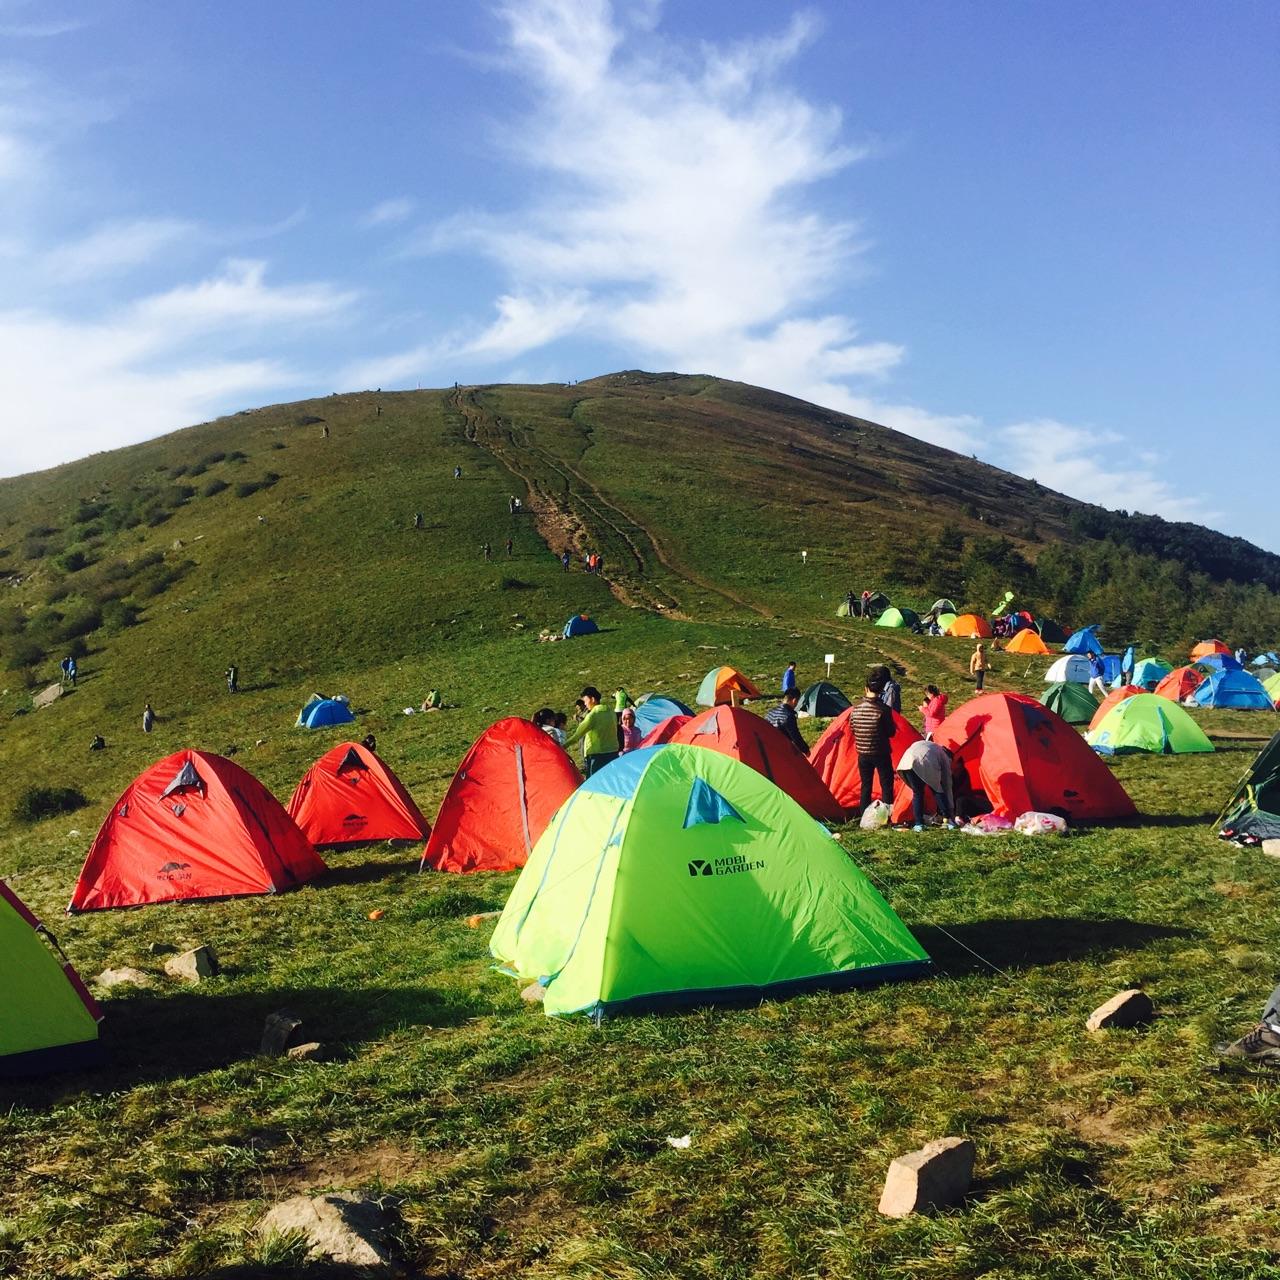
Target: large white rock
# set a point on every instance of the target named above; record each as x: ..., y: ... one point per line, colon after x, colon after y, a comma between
x: 1126, y: 1009
x: 939, y: 1174
x: 193, y: 966
x: 342, y: 1227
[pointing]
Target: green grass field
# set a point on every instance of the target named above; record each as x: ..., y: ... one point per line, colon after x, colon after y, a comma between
x: 522, y: 1146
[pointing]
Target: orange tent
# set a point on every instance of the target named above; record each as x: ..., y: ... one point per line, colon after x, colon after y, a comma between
x: 1027, y: 641
x: 350, y: 795
x: 835, y: 757
x: 722, y: 685
x: 1116, y: 695
x: 506, y: 790
x: 1024, y: 757
x: 1180, y: 683
x: 751, y: 739
x: 971, y: 626
x: 193, y: 825
x: 1206, y: 647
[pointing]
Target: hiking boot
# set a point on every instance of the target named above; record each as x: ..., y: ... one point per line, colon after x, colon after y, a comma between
x: 1260, y: 1047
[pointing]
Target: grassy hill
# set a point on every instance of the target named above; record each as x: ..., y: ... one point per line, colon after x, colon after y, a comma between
x: 282, y: 539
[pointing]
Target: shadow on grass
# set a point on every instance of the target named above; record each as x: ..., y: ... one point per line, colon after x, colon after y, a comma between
x: 147, y: 1039
x: 364, y: 872
x: 1167, y: 820
x: 1024, y: 944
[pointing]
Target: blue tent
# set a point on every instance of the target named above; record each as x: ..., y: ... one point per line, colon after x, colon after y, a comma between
x: 1111, y: 663
x: 579, y: 625
x: 321, y: 711
x: 1267, y: 659
x: 1149, y: 672
x: 1232, y: 688
x: 653, y: 708
x: 1218, y: 661
x: 1083, y: 641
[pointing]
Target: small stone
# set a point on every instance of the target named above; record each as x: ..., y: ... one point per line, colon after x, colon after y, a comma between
x: 193, y: 966
x: 162, y: 949
x: 1128, y: 1009
x: 535, y: 993
x: 108, y: 979
x: 312, y: 1051
x: 342, y: 1227
x: 1271, y: 848
x: 280, y: 1031
x: 939, y: 1174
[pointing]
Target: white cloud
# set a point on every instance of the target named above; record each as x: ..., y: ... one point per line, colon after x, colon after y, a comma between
x: 37, y: 30
x: 1098, y: 466
x: 114, y: 247
x: 72, y: 386
x: 387, y: 213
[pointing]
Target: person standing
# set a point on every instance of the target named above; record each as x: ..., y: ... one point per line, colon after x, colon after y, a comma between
x: 1097, y: 675
x: 804, y: 557
x: 628, y: 731
x: 924, y: 765
x: 866, y: 605
x: 851, y: 604
x: 872, y: 725
x: 783, y: 718
x: 564, y: 561
x: 457, y: 473
x: 508, y: 548
x: 417, y: 519
x: 933, y: 709
x: 232, y: 674
x: 978, y: 666
x: 148, y: 718
x: 789, y: 679
x: 892, y: 695
x: 598, y: 732
x: 486, y: 550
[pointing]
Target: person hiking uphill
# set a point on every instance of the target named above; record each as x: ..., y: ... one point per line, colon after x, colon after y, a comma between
x: 598, y: 731
x: 872, y: 725
x: 978, y: 666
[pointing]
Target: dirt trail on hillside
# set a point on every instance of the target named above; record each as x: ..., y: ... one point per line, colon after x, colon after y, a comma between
x: 572, y: 515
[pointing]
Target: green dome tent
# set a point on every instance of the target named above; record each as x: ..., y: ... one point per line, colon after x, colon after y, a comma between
x: 677, y: 875
x: 48, y: 1021
x: 1253, y: 812
x: 893, y: 617
x: 1072, y: 701
x: 1050, y: 632
x: 945, y: 621
x: 1147, y: 722
x: 1149, y: 672
x: 822, y: 699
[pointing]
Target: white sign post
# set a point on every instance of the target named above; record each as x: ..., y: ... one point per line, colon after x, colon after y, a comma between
x: 829, y: 659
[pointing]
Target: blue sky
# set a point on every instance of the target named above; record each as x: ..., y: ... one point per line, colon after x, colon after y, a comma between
x: 1043, y: 233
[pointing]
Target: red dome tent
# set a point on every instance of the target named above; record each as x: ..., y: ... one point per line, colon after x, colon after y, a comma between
x: 835, y: 757
x: 506, y: 790
x: 1024, y: 757
x: 664, y: 731
x: 350, y: 795
x: 193, y: 825
x: 745, y: 736
x: 1180, y: 683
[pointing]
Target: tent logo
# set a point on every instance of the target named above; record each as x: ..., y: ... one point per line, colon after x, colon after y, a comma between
x: 732, y: 865
x: 175, y: 871
x: 355, y: 820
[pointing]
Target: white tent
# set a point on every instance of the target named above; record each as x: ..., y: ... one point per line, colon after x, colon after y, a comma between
x: 1071, y: 666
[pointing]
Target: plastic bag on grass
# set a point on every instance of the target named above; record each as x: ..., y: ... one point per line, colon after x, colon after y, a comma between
x: 988, y: 824
x: 1040, y: 824
x: 875, y: 815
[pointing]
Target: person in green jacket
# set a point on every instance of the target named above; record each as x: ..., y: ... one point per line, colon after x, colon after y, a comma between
x: 598, y: 731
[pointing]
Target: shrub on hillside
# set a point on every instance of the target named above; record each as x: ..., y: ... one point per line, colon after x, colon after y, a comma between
x: 12, y: 621
x: 59, y: 591
x: 41, y: 531
x: 211, y: 459
x: 72, y: 560
x: 34, y: 549
x: 36, y: 803
x: 23, y: 651
x: 119, y: 614
x: 237, y: 456
x: 81, y: 621
x: 88, y: 511
x: 513, y: 584
x: 278, y: 444
x: 156, y: 516
x: 247, y: 488
x: 214, y: 487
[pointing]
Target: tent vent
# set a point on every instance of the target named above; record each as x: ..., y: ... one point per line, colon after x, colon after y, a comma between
x: 706, y: 804
x: 185, y: 777
x: 352, y: 760
x: 179, y: 809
